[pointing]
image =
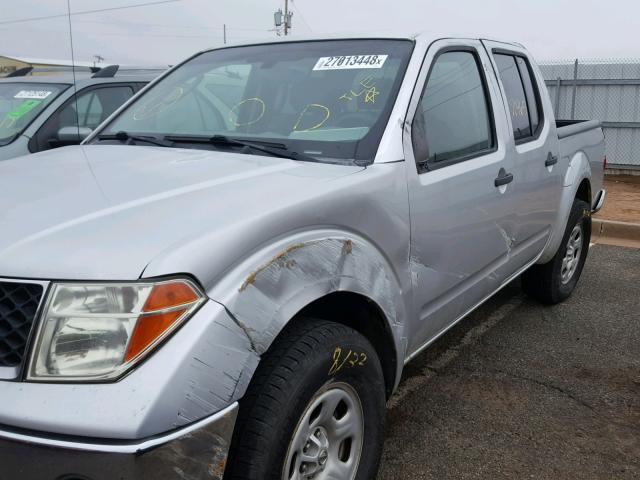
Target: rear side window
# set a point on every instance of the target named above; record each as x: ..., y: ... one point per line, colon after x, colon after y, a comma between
x: 530, y: 91
x: 453, y: 119
x: 521, y: 94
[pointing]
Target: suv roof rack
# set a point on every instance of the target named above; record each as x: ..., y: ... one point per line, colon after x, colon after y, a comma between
x: 21, y: 72
x: 106, y: 72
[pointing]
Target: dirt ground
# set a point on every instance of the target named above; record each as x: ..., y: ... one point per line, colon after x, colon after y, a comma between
x: 623, y: 198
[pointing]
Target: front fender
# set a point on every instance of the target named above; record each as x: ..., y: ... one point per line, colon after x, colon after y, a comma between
x: 579, y: 169
x: 267, y: 289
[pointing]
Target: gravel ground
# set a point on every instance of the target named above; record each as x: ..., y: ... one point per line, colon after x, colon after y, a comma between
x: 519, y: 390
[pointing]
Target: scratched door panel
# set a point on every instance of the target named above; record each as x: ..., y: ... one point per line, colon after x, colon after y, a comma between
x: 461, y: 229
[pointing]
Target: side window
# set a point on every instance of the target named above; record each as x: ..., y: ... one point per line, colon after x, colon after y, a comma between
x: 531, y: 93
x: 514, y: 91
x: 95, y: 106
x: 453, y: 119
x: 521, y: 95
x: 91, y: 108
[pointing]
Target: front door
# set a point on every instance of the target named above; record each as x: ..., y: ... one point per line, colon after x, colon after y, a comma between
x: 459, y: 189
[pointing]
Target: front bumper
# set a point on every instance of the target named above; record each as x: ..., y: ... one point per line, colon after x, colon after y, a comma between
x: 198, y: 451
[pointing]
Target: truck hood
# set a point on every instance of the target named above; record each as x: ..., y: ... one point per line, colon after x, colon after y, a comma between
x: 104, y: 212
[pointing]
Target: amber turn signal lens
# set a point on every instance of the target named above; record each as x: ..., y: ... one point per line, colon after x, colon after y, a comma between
x: 169, y: 295
x: 176, y: 297
x: 148, y: 329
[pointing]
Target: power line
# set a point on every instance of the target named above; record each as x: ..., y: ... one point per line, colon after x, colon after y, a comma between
x: 164, y: 25
x: 156, y: 35
x: 87, y: 12
x: 73, y: 67
x: 295, y: 5
x: 211, y: 36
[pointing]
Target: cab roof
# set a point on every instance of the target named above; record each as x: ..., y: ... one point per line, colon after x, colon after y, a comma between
x: 427, y: 36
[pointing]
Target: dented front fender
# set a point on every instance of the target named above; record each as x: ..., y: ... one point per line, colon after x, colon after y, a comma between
x: 267, y: 290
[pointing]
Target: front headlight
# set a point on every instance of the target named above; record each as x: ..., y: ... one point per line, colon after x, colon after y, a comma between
x: 98, y: 331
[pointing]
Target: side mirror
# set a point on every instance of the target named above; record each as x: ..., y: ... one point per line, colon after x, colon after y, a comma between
x: 73, y: 135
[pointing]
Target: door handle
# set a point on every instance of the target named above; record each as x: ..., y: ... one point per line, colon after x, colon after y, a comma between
x: 503, y: 178
x: 551, y: 160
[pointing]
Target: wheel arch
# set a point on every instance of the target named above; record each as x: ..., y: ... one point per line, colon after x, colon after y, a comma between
x: 320, y: 275
x: 584, y: 191
x: 365, y: 316
x: 576, y: 185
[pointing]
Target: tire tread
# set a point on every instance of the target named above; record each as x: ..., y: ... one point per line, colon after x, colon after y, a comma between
x: 257, y: 416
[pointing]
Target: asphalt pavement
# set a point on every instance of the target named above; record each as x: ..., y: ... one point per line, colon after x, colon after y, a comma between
x: 520, y: 390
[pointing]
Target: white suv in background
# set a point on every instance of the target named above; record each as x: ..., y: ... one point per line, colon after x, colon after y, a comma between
x: 39, y: 113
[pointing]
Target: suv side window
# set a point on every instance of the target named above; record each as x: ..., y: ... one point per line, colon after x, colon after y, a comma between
x: 521, y: 93
x: 92, y: 107
x: 453, y: 121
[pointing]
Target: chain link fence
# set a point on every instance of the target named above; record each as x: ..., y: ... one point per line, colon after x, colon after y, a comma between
x: 605, y: 90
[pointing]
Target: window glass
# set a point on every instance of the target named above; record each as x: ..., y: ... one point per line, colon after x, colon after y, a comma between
x: 532, y: 101
x: 452, y: 119
x: 328, y: 99
x: 228, y: 83
x: 84, y: 107
x: 516, y: 98
x: 93, y: 107
x: 21, y: 103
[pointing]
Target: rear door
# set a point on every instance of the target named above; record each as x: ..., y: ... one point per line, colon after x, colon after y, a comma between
x: 459, y: 186
x: 537, y: 183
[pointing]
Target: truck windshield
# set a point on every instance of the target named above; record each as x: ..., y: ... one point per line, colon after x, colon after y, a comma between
x: 21, y: 103
x: 326, y: 99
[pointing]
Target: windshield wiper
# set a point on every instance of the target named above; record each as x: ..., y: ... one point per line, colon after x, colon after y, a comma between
x: 123, y: 136
x: 275, y: 149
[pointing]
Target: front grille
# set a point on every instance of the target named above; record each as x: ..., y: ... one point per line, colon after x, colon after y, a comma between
x: 18, y: 307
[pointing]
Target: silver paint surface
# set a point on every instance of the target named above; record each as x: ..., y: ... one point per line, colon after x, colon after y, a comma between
x: 266, y: 236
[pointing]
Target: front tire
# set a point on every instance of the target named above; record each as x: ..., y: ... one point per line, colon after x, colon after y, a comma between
x: 555, y: 280
x: 314, y: 409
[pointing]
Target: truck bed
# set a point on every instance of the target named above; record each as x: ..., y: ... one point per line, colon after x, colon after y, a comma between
x: 584, y: 137
x: 566, y: 128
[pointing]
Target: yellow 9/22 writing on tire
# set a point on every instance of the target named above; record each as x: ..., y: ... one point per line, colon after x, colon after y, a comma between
x: 350, y: 360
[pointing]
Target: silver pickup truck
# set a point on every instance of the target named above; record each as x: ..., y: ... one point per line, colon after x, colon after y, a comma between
x: 226, y: 279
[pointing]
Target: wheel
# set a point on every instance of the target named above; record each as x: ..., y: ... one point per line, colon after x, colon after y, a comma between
x: 555, y: 280
x: 314, y: 409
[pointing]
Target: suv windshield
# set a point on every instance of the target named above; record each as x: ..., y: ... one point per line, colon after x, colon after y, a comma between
x: 21, y: 103
x: 328, y: 99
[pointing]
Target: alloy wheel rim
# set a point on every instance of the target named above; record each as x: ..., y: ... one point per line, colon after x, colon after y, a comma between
x: 572, y: 256
x: 327, y: 442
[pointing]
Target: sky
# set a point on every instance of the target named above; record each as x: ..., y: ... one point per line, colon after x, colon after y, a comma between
x: 161, y: 32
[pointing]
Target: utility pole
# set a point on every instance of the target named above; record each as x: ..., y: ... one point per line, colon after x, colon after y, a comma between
x: 287, y: 20
x: 224, y: 33
x: 283, y: 20
x: 97, y: 59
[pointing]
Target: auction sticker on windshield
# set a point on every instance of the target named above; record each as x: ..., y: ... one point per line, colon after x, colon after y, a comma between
x: 33, y: 94
x: 344, y: 62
